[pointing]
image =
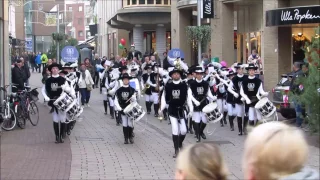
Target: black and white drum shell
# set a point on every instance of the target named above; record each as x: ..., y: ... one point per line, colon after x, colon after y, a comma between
x: 265, y: 107
x: 134, y: 111
x: 63, y: 102
x: 74, y: 111
x: 212, y: 112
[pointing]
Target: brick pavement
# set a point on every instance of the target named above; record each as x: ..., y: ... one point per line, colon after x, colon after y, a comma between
x: 31, y: 153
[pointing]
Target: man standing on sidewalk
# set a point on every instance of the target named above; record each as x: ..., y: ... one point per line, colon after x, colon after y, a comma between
x: 294, y: 87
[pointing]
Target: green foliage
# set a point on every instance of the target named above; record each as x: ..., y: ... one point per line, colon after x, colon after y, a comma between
x: 62, y: 43
x: 310, y: 96
x: 59, y: 36
x: 199, y: 33
x: 95, y: 19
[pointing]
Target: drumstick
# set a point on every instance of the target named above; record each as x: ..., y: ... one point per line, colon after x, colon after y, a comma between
x: 131, y: 97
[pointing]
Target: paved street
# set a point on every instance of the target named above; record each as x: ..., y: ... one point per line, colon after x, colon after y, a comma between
x: 95, y: 148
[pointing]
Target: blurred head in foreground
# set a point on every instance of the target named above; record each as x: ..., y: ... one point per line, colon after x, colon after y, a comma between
x: 201, y: 161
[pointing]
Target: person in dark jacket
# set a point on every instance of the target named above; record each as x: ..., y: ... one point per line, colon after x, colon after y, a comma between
x: 18, y: 76
x: 165, y: 62
x: 296, y: 89
x: 26, y: 71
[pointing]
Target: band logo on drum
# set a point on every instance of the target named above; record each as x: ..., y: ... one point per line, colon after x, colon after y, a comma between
x: 125, y: 95
x: 176, y: 94
x: 251, y: 86
x: 200, y: 90
x: 54, y: 86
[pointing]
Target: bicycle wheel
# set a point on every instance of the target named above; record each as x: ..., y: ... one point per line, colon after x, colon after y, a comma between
x: 9, y: 123
x: 33, y: 114
x: 21, y: 119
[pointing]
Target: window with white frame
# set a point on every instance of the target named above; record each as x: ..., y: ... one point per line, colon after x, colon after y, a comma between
x: 70, y: 8
x: 80, y: 33
x: 80, y: 8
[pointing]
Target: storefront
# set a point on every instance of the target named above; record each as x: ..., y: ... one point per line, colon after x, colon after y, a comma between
x: 302, y: 20
x: 150, y: 41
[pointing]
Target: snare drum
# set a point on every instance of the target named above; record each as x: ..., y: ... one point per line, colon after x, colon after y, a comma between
x: 63, y: 102
x: 265, y: 107
x: 134, y: 111
x: 212, y: 112
x: 74, y: 111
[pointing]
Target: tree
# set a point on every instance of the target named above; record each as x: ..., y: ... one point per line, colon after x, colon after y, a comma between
x: 63, y: 41
x: 310, y: 84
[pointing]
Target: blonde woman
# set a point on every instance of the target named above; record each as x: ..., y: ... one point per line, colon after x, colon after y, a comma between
x: 276, y: 151
x: 201, y: 161
x: 85, y: 85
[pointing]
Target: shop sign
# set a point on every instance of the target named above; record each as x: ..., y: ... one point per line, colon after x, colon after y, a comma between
x: 207, y: 9
x: 295, y: 15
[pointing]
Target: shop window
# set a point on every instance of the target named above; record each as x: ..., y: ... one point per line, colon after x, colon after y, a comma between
x: 142, y: 2
x: 158, y: 1
x: 150, y: 1
x: 128, y: 2
x: 165, y: 2
x: 134, y: 2
x: 168, y: 41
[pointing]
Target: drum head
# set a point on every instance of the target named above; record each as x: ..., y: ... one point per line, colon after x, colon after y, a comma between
x: 210, y: 107
x: 140, y: 117
x: 128, y: 108
x: 261, y: 103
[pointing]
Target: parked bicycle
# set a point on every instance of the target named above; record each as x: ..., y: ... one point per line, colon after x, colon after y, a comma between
x: 7, y: 114
x: 25, y: 107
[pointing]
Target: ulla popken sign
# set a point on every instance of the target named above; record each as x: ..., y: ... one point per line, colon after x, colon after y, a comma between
x: 296, y: 15
x: 207, y: 9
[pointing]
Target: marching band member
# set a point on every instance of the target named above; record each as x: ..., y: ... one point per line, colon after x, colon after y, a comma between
x: 123, y: 70
x: 152, y: 81
x: 134, y: 82
x: 176, y: 94
x: 190, y: 78
x: 146, y: 87
x: 230, y: 100
x: 200, y: 90
x: 52, y: 89
x: 112, y: 85
x: 250, y: 90
x: 104, y: 77
x: 125, y: 95
x: 222, y: 94
x: 236, y: 85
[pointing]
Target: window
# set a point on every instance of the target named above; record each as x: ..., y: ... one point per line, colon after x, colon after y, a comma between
x: 80, y: 33
x: 150, y: 1
x: 142, y: 1
x: 134, y: 2
x: 165, y: 2
x: 128, y: 2
x: 80, y: 8
x: 80, y: 21
x: 88, y: 34
x: 158, y: 1
x: 70, y: 8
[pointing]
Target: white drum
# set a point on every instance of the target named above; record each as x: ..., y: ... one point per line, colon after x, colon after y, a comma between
x: 74, y: 111
x: 134, y: 111
x: 212, y: 112
x: 265, y: 107
x: 63, y: 102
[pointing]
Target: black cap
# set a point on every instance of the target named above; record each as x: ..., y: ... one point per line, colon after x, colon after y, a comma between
x: 125, y: 76
x: 54, y: 65
x: 251, y: 66
x: 174, y: 71
x: 63, y: 72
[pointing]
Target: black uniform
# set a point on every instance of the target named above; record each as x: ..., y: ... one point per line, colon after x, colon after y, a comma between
x: 147, y: 91
x: 251, y: 88
x: 54, y: 90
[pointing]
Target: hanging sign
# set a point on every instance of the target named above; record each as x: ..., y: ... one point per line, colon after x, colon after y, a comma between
x: 207, y: 9
x: 295, y: 15
x: 69, y: 54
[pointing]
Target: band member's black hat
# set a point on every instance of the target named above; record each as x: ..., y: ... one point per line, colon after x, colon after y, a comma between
x: 175, y: 70
x: 54, y: 65
x: 251, y: 66
x: 102, y: 62
x: 121, y: 68
x: 198, y: 69
x: 239, y: 65
x: 67, y: 65
x: 63, y: 72
x: 148, y: 67
x: 155, y: 65
x: 125, y: 76
x: 223, y: 68
x: 231, y: 73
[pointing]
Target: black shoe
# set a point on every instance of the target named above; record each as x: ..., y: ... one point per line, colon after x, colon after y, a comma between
x: 57, y: 140
x: 62, y: 132
x: 69, y: 128
x: 231, y: 118
x: 221, y: 123
x: 245, y: 123
x: 203, y: 136
x: 181, y: 139
x: 176, y: 152
x: 125, y: 134
x: 156, y: 115
x: 111, y: 112
x: 202, y: 127
x: 197, y: 131
x: 190, y: 130
x: 239, y: 121
x: 130, y: 134
x: 105, y: 105
x: 175, y: 139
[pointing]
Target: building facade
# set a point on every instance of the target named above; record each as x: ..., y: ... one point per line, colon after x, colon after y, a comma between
x: 276, y: 43
x: 76, y: 28
x: 5, y: 61
x: 144, y: 23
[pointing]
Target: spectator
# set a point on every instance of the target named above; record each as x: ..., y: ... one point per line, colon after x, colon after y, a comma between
x: 54, y: 60
x: 205, y: 59
x: 26, y: 71
x: 95, y: 63
x: 156, y: 58
x: 124, y: 53
x: 117, y: 62
x: 44, y: 60
x: 255, y: 59
x: 89, y: 67
x: 85, y: 86
x: 112, y: 57
x: 146, y: 61
x: 276, y: 151
x: 38, y: 62
x: 26, y: 58
x: 32, y: 60
x: 294, y: 87
x: 165, y: 62
x: 201, y: 162
x: 18, y: 76
x: 44, y: 71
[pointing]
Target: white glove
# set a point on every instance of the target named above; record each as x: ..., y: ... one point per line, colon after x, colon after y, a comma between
x: 236, y: 95
x: 197, y: 103
x: 134, y: 98
x: 73, y: 95
x: 47, y: 99
x: 242, y: 99
x: 190, y: 114
x: 265, y: 94
x: 248, y: 101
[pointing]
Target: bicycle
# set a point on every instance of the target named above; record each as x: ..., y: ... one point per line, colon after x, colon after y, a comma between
x: 25, y: 105
x: 7, y: 115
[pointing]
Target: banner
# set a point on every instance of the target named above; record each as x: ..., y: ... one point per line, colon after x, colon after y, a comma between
x: 51, y: 19
x: 207, y: 9
x: 28, y: 44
